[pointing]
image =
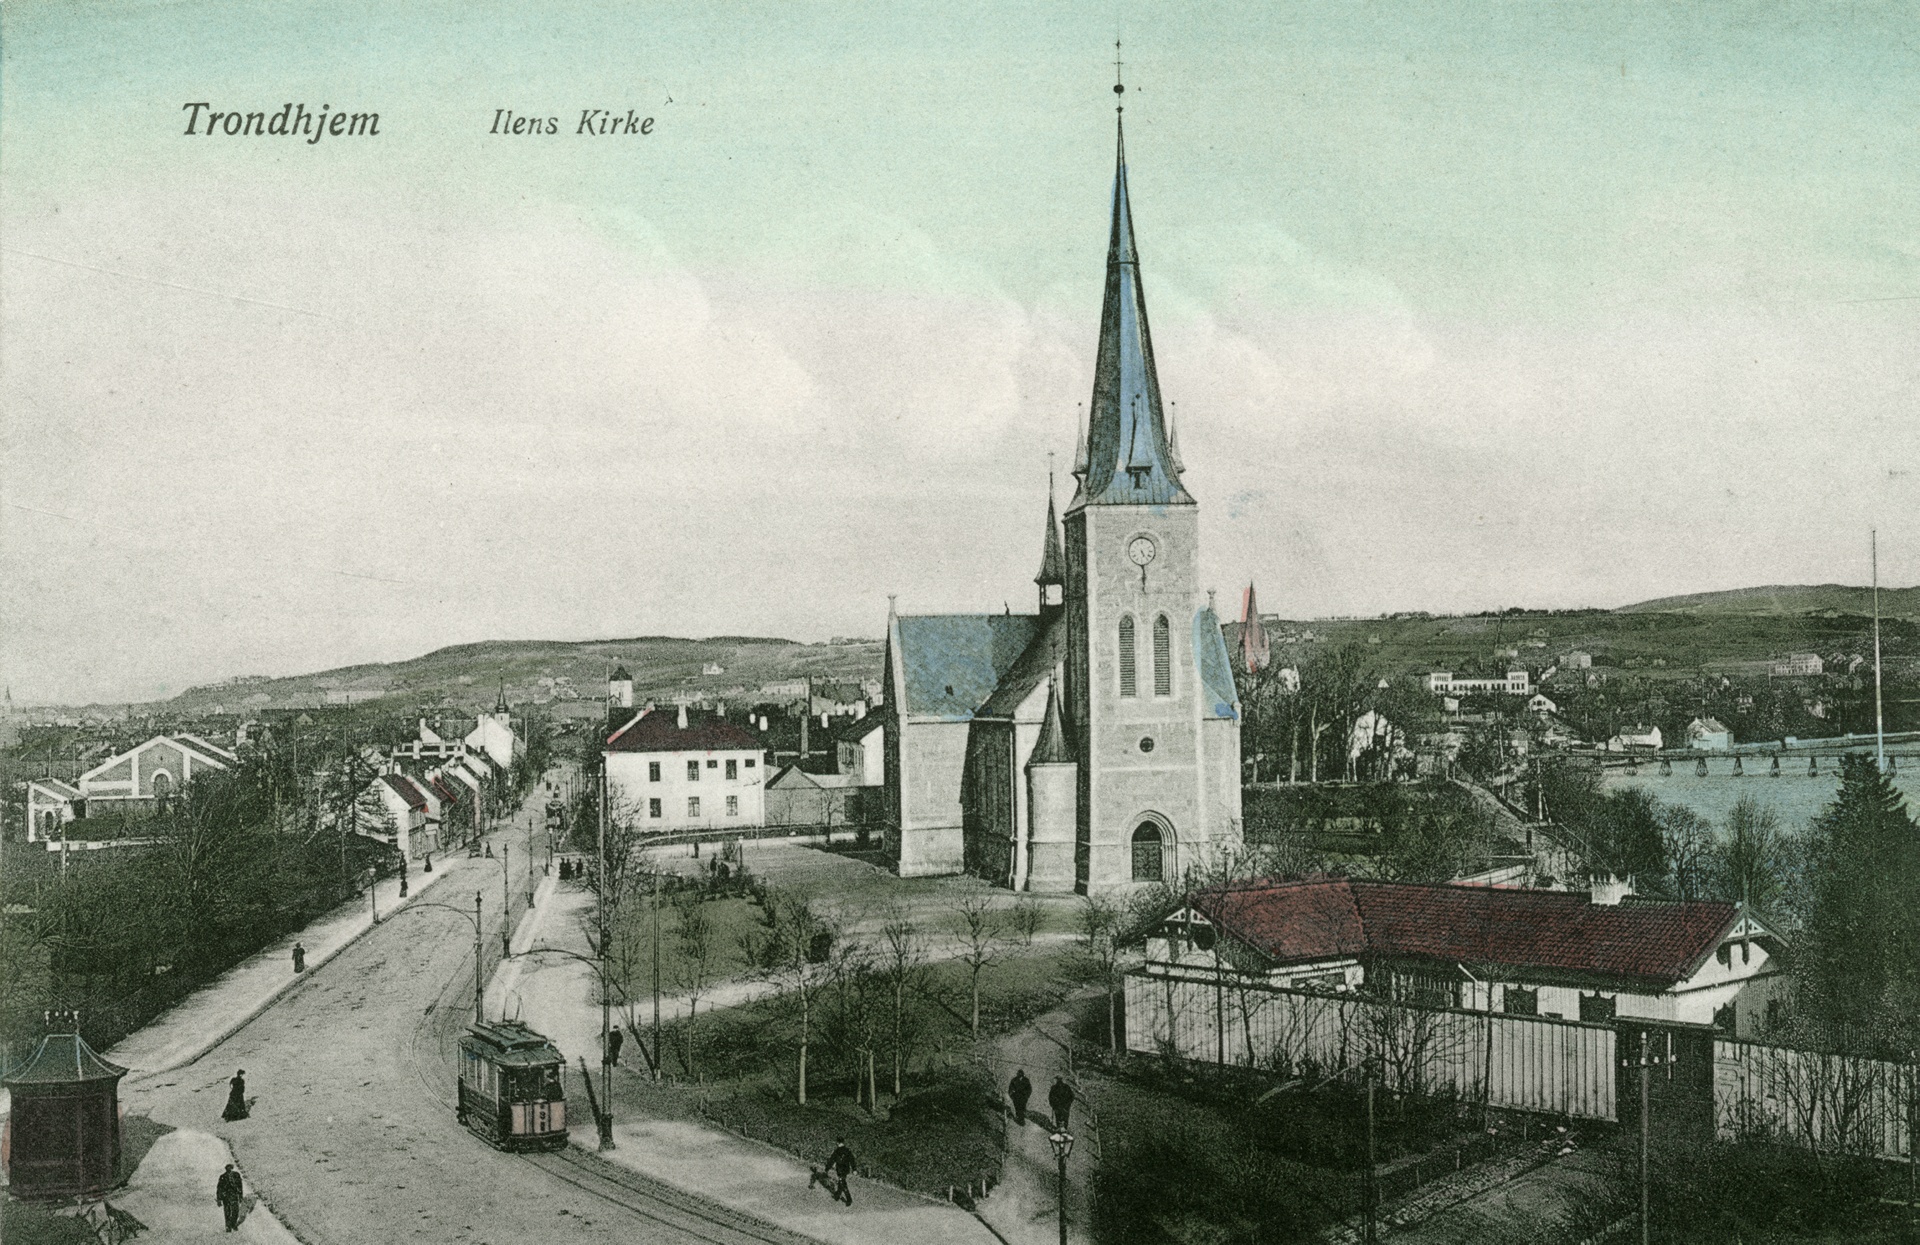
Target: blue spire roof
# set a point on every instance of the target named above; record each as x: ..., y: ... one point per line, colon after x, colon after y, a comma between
x: 1129, y: 460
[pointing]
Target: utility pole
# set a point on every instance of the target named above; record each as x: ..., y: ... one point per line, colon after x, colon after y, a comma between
x: 1645, y: 1223
x: 1370, y: 1190
x: 506, y: 900
x: 1879, y: 718
x: 656, y: 972
x: 479, y: 952
x: 606, y: 999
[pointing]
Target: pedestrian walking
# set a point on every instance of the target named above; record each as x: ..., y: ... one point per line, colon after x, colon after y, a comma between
x: 236, y: 1108
x: 1060, y: 1098
x: 299, y: 959
x: 615, y: 1041
x: 228, y: 1192
x: 841, y: 1164
x: 1020, y: 1089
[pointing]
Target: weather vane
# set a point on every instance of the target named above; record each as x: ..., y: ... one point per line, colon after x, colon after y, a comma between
x: 1118, y: 87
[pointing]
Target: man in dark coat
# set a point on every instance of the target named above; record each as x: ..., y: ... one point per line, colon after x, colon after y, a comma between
x: 1020, y: 1089
x: 236, y: 1108
x: 228, y: 1193
x: 841, y: 1164
x: 299, y: 958
x: 615, y: 1040
x: 1060, y: 1098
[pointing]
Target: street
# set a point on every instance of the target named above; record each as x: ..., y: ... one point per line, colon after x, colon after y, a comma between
x: 353, y: 1139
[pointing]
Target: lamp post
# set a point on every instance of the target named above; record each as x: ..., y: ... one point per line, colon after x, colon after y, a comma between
x: 373, y: 893
x: 479, y: 981
x: 530, y: 860
x: 506, y: 899
x: 1062, y: 1143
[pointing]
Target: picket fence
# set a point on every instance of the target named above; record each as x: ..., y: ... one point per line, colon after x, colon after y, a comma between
x: 1527, y: 1063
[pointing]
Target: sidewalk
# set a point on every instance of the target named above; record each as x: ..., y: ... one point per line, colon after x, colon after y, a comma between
x: 1025, y: 1206
x: 557, y: 995
x: 172, y: 1194
x: 217, y: 1010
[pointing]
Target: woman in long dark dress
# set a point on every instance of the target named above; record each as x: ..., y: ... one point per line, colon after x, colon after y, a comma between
x: 236, y: 1097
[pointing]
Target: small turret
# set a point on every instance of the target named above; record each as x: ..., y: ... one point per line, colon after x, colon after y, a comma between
x: 1053, y: 803
x: 620, y: 688
x: 1052, y: 578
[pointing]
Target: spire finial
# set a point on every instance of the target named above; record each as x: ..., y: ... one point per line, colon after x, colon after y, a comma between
x: 1119, y: 87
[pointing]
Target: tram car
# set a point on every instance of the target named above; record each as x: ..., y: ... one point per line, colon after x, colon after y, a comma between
x: 513, y: 1087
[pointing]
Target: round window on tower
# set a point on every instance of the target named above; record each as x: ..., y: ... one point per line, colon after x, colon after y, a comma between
x: 1146, y: 743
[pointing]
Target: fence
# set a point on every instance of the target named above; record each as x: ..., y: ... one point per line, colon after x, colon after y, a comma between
x: 1837, y: 1104
x: 1523, y: 1063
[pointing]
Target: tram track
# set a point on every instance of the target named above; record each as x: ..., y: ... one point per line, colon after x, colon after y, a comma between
x: 434, y: 1040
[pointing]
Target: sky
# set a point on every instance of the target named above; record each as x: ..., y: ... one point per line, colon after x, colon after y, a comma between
x: 1460, y: 305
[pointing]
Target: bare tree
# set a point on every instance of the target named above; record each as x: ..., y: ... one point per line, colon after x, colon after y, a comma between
x: 694, y: 966
x: 902, y: 964
x: 1101, y: 921
x: 1026, y: 916
x: 978, y: 923
x: 793, y: 950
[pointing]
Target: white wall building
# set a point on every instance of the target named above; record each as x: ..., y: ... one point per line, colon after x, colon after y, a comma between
x: 667, y: 773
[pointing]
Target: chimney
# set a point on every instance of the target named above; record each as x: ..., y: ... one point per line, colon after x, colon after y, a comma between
x: 683, y: 716
x: 1609, y: 890
x: 859, y: 710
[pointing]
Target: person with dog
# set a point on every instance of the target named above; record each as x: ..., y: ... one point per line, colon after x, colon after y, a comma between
x: 840, y: 1165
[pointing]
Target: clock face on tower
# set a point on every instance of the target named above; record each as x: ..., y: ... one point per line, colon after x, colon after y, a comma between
x: 1141, y: 550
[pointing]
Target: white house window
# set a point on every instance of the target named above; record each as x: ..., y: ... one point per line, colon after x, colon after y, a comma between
x: 162, y: 785
x: 653, y: 808
x: 733, y: 770
x: 712, y: 764
x: 1162, y: 657
x: 733, y: 806
x: 749, y: 762
x: 653, y: 771
x: 1517, y: 1001
x: 1129, y: 679
x: 693, y: 806
x: 693, y: 771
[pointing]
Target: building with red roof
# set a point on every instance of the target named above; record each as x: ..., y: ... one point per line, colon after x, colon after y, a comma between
x: 1572, y: 955
x: 670, y: 771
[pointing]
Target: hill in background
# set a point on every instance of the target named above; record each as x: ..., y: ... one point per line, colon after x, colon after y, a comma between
x: 559, y: 673
x: 1787, y: 599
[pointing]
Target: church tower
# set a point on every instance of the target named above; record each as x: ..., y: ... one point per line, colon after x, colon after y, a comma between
x: 1150, y: 693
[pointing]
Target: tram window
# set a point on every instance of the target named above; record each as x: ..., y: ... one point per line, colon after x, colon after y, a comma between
x: 550, y: 1081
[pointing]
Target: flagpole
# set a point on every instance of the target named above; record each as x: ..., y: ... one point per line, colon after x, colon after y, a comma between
x: 1879, y: 716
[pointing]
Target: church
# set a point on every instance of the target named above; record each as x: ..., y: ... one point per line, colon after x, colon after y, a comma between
x: 1093, y: 745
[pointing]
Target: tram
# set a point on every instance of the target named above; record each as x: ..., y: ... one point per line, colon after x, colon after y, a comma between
x: 513, y: 1087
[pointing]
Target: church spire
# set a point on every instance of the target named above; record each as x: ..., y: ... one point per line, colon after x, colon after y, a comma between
x: 1053, y: 559
x: 1129, y: 460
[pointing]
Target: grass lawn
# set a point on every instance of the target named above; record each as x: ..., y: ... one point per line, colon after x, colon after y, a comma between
x: 944, y: 1129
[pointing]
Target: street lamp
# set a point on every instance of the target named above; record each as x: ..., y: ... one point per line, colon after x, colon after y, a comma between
x: 1062, y: 1143
x: 373, y: 893
x: 479, y: 987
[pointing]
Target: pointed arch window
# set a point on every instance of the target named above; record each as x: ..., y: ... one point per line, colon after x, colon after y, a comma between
x: 1129, y: 678
x: 1162, y: 657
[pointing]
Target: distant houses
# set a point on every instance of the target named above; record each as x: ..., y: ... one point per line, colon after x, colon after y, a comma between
x: 1636, y: 739
x: 1798, y: 666
x: 1446, y: 683
x: 1709, y: 735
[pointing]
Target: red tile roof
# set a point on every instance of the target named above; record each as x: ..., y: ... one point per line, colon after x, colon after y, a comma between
x: 405, y: 790
x: 659, y: 730
x: 1552, y: 931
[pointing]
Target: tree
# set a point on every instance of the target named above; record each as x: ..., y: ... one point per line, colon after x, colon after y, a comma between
x: 1101, y: 923
x: 1858, y: 964
x: 694, y: 966
x: 1750, y: 865
x: 1026, y: 916
x: 793, y: 949
x: 902, y: 965
x: 1687, y: 839
x: 977, y: 922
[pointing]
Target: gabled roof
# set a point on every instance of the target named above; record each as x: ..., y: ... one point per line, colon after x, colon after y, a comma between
x: 1524, y: 930
x: 857, y: 729
x: 953, y: 662
x: 55, y: 786
x: 794, y: 776
x: 404, y: 788
x: 659, y: 730
x: 202, y: 744
x: 185, y: 743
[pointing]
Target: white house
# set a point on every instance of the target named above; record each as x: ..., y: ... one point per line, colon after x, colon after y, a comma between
x: 1636, y: 739
x: 151, y: 771
x: 51, y: 804
x: 1798, y: 665
x: 396, y: 811
x: 1445, y: 683
x: 860, y: 750
x: 669, y: 773
x: 1521, y: 952
x: 493, y: 735
x: 1709, y: 735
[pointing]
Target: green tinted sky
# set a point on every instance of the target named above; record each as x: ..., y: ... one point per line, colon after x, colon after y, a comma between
x: 1463, y: 305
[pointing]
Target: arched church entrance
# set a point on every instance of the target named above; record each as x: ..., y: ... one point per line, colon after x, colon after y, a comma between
x: 1152, y: 844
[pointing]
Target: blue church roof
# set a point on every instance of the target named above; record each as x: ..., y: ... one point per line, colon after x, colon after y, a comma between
x: 953, y: 662
x: 1218, y: 696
